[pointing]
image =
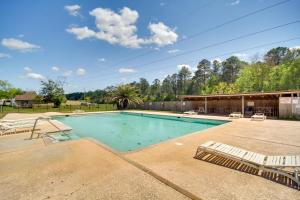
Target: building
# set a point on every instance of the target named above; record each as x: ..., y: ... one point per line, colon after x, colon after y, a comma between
x: 283, y: 104
x: 25, y: 100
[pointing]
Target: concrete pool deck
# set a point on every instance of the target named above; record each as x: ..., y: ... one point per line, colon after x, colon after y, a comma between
x: 81, y: 169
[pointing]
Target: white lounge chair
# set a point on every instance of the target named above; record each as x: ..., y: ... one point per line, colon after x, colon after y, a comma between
x: 258, y: 116
x: 16, y: 126
x: 235, y: 115
x: 282, y: 165
x: 191, y: 112
x: 78, y: 111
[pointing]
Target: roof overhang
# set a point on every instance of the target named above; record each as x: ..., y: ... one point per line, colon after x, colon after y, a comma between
x: 256, y: 94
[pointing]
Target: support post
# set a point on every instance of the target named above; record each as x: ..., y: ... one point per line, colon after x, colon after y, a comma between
x: 205, y: 108
x: 243, y: 105
x: 181, y: 104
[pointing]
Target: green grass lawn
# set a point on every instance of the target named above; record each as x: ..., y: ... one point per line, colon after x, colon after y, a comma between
x: 64, y: 109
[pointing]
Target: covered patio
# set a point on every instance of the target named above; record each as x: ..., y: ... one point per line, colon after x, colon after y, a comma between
x: 246, y: 103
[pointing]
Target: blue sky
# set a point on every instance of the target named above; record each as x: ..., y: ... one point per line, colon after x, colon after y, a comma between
x: 87, y: 43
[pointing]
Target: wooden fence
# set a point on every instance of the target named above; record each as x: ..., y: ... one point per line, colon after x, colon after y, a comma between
x: 176, y: 106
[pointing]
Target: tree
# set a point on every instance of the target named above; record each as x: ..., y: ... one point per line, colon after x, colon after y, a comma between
x: 52, y: 91
x: 7, y: 91
x: 124, y: 95
x: 253, y: 78
x: 203, y: 72
x: 75, y: 96
x: 225, y: 88
x: 144, y: 87
x: 155, y: 90
x: 291, y: 76
x: 278, y: 56
x: 167, y: 89
x: 231, y: 68
x: 184, y: 75
x: 174, y: 80
x: 216, y: 67
x: 201, y: 76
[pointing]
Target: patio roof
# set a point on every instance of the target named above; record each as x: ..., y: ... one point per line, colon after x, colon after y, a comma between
x: 277, y: 93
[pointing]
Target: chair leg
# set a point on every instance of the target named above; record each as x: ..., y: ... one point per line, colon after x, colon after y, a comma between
x: 198, y: 150
x: 297, y: 177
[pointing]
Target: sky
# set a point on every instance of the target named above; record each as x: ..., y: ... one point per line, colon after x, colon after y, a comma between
x: 97, y: 43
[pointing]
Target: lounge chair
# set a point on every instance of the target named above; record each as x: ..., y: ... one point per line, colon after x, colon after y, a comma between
x: 191, y: 112
x: 10, y: 128
x: 258, y: 116
x: 18, y: 126
x: 78, y: 111
x: 281, y: 165
x: 236, y: 115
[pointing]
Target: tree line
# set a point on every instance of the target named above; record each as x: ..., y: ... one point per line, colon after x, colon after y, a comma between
x: 279, y: 70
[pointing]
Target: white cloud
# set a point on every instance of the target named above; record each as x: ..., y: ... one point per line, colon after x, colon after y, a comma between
x: 31, y: 75
x: 162, y: 4
x: 217, y: 59
x: 258, y: 56
x: 117, y: 28
x: 234, y: 3
x: 35, y: 76
x: 172, y: 51
x: 73, y: 9
x: 27, y: 69
x: 4, y: 55
x: 126, y: 70
x: 162, y: 35
x: 101, y: 59
x: 120, y: 28
x: 80, y: 72
x: 55, y: 69
x: 82, y: 33
x: 179, y: 67
x: 68, y: 73
x: 242, y: 56
x: 295, y: 47
x: 17, y: 44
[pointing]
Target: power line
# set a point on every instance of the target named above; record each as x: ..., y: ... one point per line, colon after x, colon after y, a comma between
x: 208, y: 30
x: 221, y: 55
x: 220, y: 43
x: 217, y: 44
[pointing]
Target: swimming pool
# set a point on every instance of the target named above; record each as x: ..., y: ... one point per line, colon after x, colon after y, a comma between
x: 124, y: 131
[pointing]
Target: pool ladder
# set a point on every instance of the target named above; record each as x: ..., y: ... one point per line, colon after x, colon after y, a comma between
x: 50, y: 122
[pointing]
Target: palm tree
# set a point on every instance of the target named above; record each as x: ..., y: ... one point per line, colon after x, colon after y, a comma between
x: 124, y: 95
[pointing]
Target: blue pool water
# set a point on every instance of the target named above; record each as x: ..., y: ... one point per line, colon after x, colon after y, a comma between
x: 130, y: 131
